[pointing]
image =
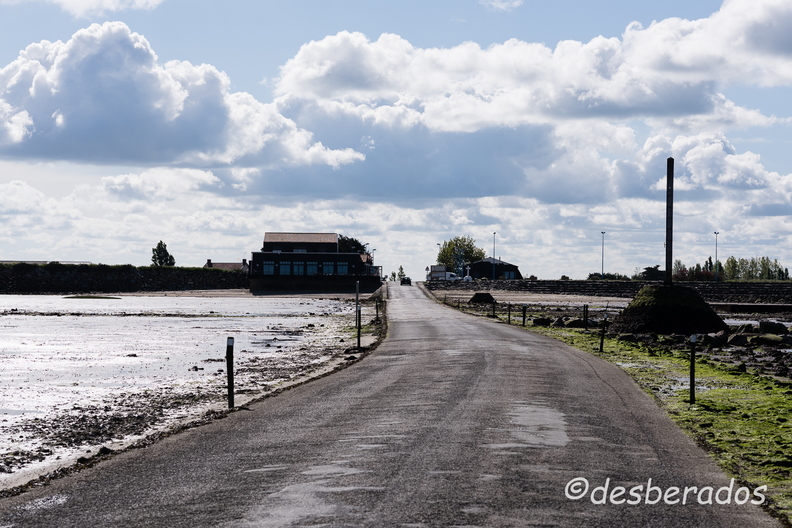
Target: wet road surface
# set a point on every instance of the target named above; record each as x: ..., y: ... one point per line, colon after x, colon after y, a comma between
x: 452, y: 421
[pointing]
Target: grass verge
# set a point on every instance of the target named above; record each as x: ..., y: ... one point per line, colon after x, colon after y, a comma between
x: 743, y: 420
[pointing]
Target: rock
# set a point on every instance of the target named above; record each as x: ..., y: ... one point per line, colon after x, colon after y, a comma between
x: 766, y: 339
x: 542, y: 321
x: 717, y: 338
x: 737, y: 340
x: 575, y: 323
x: 772, y: 327
x: 627, y: 338
x: 746, y: 328
x: 558, y: 323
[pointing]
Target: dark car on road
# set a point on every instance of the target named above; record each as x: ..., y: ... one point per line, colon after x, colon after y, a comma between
x: 406, y: 280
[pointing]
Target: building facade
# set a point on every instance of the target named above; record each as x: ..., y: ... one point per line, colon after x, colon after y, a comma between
x: 310, y: 262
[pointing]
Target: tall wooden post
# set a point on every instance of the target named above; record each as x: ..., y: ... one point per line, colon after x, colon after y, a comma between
x: 669, y: 220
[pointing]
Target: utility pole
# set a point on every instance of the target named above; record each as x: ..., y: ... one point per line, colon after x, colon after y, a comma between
x: 669, y: 219
x: 602, y: 272
x: 493, y: 254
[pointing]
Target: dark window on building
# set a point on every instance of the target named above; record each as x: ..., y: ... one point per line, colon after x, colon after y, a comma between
x: 313, y: 268
x: 343, y: 268
x: 327, y: 268
x: 285, y: 268
x: 509, y: 275
x: 269, y: 267
x: 299, y: 268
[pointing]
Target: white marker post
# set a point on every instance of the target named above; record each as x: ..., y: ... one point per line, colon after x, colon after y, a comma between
x: 230, y: 369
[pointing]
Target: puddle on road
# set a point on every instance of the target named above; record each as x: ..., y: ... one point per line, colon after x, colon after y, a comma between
x: 533, y: 425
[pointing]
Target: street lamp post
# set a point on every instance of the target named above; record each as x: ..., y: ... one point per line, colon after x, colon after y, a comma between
x: 716, y: 255
x: 603, y: 256
x: 493, y: 254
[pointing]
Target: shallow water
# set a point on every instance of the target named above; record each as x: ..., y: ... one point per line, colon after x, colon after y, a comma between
x: 58, y: 352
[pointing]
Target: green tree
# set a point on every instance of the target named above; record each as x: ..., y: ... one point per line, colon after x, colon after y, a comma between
x: 392, y: 276
x: 732, y: 269
x: 350, y: 245
x: 161, y: 257
x: 401, y: 273
x: 456, y: 252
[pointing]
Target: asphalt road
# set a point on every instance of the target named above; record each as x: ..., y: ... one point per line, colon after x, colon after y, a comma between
x: 454, y: 420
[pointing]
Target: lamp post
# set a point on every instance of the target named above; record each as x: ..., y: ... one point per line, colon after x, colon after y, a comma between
x: 716, y: 255
x: 603, y: 256
x: 493, y: 254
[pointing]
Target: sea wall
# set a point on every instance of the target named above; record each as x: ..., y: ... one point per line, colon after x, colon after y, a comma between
x: 99, y: 278
x: 779, y: 292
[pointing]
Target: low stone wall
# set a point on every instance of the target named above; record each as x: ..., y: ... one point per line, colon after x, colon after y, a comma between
x: 65, y: 278
x: 722, y: 292
x: 315, y: 283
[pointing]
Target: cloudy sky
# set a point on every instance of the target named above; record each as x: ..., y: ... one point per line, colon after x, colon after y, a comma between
x: 205, y: 123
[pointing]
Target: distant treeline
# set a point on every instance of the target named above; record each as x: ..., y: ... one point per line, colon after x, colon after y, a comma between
x: 756, y: 268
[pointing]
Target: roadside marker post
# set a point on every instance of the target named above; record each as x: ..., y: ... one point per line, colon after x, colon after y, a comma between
x: 525, y: 309
x: 693, y: 340
x: 357, y: 312
x: 585, y: 316
x: 602, y: 335
x: 230, y: 370
x: 509, y: 316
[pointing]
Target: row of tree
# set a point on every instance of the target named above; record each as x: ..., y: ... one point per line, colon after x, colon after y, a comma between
x: 742, y: 269
x: 755, y: 268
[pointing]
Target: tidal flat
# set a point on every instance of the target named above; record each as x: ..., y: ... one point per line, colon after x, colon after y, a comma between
x: 81, y: 375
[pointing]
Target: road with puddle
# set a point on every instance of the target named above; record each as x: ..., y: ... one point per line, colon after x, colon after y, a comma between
x: 453, y: 421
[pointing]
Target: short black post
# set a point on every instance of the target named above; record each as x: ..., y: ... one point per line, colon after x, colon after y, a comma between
x: 693, y: 368
x: 585, y: 316
x: 493, y: 308
x: 376, y: 302
x: 358, y: 327
x: 602, y: 335
x: 509, y: 312
x: 230, y: 369
x: 357, y: 312
x: 525, y: 309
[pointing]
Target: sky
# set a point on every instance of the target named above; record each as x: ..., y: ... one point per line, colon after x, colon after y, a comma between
x: 532, y: 126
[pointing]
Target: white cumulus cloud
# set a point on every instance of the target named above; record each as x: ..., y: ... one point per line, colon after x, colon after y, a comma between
x: 103, y: 96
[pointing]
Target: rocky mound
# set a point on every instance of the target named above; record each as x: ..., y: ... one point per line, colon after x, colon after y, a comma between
x: 668, y: 310
x: 482, y: 297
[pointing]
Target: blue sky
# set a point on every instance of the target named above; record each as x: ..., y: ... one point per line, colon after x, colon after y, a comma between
x: 207, y: 123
